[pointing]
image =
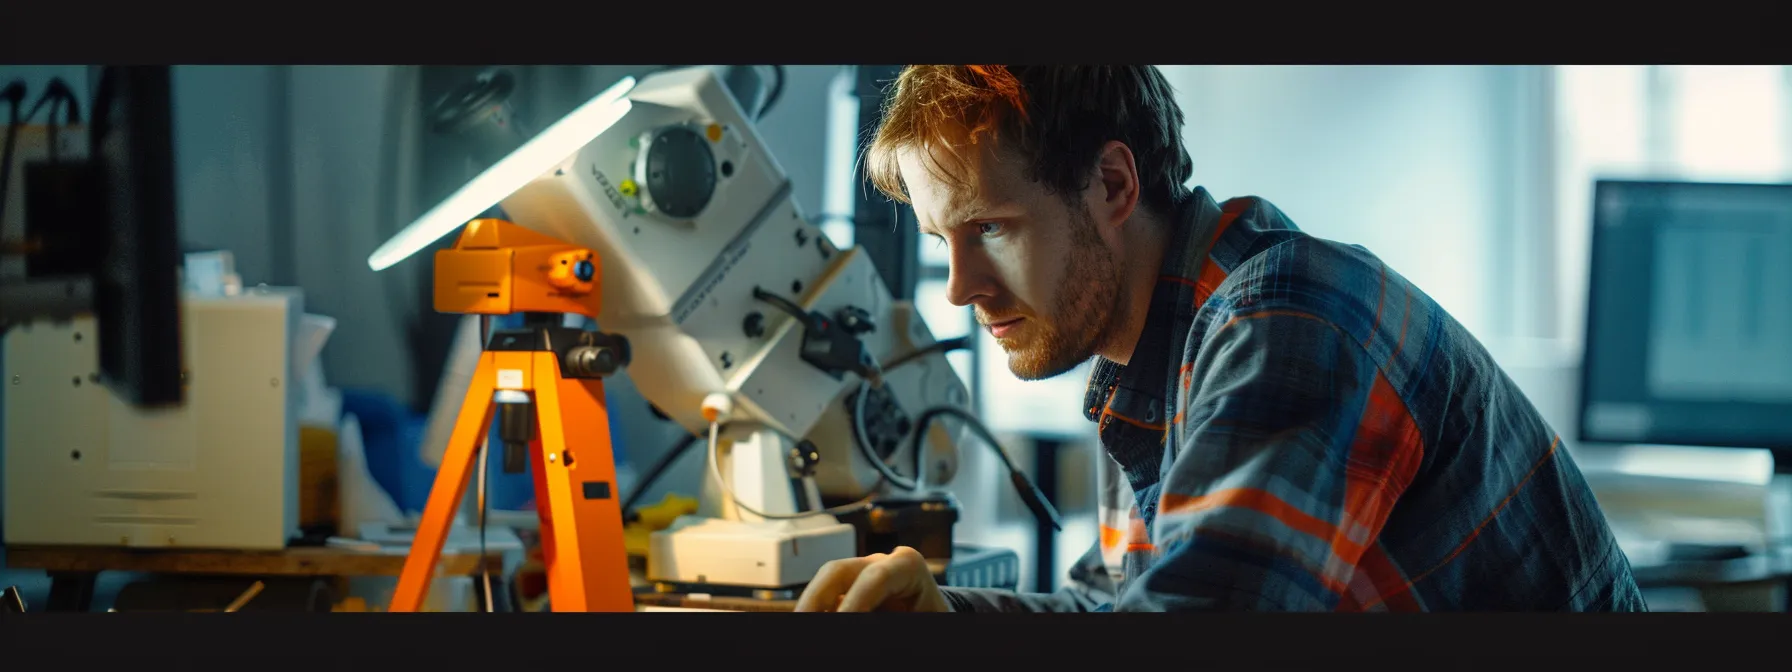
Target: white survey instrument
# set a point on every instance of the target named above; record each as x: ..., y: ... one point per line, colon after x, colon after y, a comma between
x: 705, y: 255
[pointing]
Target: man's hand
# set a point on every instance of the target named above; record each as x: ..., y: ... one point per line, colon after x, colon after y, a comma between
x: 897, y: 581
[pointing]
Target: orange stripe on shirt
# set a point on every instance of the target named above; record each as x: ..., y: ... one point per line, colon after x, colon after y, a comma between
x: 1384, y: 457
x: 1272, y: 313
x: 1557, y: 441
x: 1211, y: 274
x: 1265, y: 502
x: 1262, y: 501
x: 1136, y: 423
x: 1211, y: 277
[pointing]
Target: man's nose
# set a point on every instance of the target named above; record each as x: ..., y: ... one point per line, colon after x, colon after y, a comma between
x: 967, y: 280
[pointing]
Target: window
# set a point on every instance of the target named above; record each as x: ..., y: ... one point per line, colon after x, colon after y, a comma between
x: 841, y: 174
x: 1709, y: 123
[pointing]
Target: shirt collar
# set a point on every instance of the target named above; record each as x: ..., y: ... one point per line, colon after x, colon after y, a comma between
x: 1197, y: 217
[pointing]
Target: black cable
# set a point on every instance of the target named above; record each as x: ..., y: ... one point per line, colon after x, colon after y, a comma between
x: 485, y: 572
x: 1029, y: 493
x: 863, y: 438
x: 102, y: 106
x: 58, y: 89
x: 59, y: 97
x: 783, y: 304
x: 777, y: 91
x: 715, y: 473
x: 485, y: 446
x: 14, y: 93
x: 50, y: 131
x: 885, y: 473
x: 946, y: 345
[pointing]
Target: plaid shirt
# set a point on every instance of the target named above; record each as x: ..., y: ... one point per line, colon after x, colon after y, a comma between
x: 1300, y: 428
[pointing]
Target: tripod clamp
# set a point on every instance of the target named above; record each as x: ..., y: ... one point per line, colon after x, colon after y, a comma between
x: 582, y: 354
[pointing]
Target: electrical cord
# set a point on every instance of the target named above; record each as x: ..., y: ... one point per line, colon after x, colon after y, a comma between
x: 781, y: 303
x: 947, y: 345
x: 485, y: 446
x: 59, y: 97
x: 485, y: 574
x: 102, y: 106
x: 862, y: 438
x: 715, y: 472
x: 658, y: 470
x: 56, y: 93
x: 777, y: 92
x: 1029, y: 493
x: 14, y: 93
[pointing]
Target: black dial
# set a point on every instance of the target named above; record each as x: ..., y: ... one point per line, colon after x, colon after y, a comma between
x: 681, y: 172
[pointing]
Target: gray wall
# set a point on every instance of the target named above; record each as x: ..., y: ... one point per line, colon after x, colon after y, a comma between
x: 297, y: 171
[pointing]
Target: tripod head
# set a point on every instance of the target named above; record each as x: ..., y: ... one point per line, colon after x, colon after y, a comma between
x: 499, y: 268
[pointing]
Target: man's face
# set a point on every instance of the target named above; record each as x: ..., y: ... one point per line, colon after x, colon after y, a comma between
x: 1034, y: 266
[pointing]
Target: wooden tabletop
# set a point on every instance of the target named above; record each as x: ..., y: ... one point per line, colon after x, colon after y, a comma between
x: 296, y: 561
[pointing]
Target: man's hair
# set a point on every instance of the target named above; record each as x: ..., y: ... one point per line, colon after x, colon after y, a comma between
x: 1055, y: 117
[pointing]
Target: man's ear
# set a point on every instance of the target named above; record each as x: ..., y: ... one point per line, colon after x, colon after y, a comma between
x: 1113, y: 192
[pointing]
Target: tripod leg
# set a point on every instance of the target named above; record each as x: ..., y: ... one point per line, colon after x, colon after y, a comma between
x: 451, y: 483
x: 587, y: 561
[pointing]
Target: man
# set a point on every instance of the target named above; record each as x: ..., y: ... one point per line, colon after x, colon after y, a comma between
x: 1288, y: 423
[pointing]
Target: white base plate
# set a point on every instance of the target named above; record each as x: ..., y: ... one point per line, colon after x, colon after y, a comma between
x: 696, y: 551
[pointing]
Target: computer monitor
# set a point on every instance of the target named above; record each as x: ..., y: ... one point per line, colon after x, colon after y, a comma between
x: 1689, y: 316
x: 102, y: 238
x: 137, y: 282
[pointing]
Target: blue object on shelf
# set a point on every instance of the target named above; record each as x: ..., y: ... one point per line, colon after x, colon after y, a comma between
x: 390, y: 436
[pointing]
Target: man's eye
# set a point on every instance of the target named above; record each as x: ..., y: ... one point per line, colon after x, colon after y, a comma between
x: 988, y: 228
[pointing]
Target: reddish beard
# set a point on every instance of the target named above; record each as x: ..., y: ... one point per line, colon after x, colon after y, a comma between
x: 1083, y: 304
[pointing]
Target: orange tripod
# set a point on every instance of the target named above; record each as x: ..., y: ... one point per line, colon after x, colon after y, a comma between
x: 545, y: 381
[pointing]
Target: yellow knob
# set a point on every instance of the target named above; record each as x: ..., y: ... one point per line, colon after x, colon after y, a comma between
x: 627, y: 187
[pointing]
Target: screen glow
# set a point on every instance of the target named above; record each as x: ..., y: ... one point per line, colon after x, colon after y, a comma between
x: 509, y: 174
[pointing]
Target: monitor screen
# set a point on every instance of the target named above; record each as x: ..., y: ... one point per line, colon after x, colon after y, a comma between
x: 136, y: 278
x: 1689, y: 325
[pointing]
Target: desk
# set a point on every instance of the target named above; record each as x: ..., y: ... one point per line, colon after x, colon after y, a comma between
x: 72, y: 569
x: 1651, y: 512
x: 1756, y: 583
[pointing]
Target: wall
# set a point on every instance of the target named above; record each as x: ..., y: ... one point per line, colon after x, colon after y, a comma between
x: 1415, y: 163
x: 1445, y: 172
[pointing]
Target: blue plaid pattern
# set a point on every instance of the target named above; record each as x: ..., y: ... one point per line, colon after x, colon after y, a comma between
x: 1300, y: 428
